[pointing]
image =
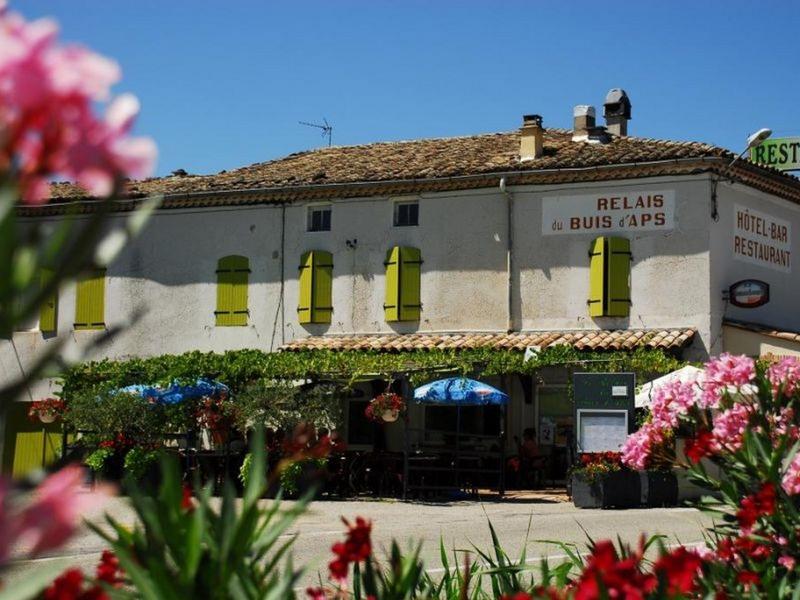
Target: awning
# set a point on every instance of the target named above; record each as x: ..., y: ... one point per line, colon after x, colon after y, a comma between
x: 583, y: 340
x: 459, y: 391
x: 684, y: 374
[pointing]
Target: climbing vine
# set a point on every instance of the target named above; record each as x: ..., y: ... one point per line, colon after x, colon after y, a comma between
x: 239, y: 368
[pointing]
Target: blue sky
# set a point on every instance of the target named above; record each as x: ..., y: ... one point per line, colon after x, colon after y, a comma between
x: 224, y: 83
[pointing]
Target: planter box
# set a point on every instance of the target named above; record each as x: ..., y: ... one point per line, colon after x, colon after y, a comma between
x: 659, y: 488
x: 616, y: 490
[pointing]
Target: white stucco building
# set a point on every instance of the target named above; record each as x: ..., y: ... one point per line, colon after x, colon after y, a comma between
x: 501, y: 229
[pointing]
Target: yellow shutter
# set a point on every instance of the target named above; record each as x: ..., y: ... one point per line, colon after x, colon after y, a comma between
x: 619, y: 277
x: 233, y: 274
x: 90, y: 301
x: 410, y: 266
x: 28, y: 445
x: 391, y: 306
x: 597, y: 254
x: 48, y: 314
x: 609, y: 277
x: 323, y: 287
x: 305, y: 298
x: 315, y: 299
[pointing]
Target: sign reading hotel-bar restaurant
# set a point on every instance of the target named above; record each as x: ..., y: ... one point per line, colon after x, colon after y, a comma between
x: 778, y: 153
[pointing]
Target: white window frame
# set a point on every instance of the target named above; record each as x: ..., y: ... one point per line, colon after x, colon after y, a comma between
x: 605, y: 411
x: 396, y: 210
x: 310, y: 209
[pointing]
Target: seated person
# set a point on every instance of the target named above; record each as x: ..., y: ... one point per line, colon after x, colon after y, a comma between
x: 531, y: 458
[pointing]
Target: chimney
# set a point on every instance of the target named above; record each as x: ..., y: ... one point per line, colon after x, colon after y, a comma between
x: 617, y: 112
x: 530, y: 140
x: 583, y: 122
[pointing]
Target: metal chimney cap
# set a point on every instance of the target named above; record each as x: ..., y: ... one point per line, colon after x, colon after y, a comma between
x: 616, y: 95
x: 583, y: 110
x: 617, y: 104
x: 532, y: 119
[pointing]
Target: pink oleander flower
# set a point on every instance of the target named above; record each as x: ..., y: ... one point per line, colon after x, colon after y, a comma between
x: 671, y: 401
x: 47, y: 126
x: 785, y: 375
x: 726, y: 373
x: 787, y: 562
x: 730, y: 426
x: 50, y: 517
x: 639, y: 447
x: 791, y: 479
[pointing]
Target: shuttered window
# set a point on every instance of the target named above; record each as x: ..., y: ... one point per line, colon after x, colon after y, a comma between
x: 610, y: 277
x: 403, y: 266
x: 48, y: 313
x: 233, y: 274
x: 315, y: 303
x: 90, y: 301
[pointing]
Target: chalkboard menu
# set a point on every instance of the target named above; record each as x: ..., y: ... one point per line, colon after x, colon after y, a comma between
x: 604, y: 410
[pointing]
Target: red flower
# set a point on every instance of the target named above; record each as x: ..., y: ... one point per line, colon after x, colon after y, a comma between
x: 316, y: 593
x: 762, y: 503
x: 699, y: 447
x: 357, y: 547
x: 748, y: 578
x: 186, y: 498
x: 606, y: 575
x: 66, y: 586
x: 679, y: 569
x: 106, y: 444
x: 108, y: 569
x: 517, y: 596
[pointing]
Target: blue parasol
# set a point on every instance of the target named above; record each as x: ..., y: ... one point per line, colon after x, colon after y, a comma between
x: 459, y: 391
x: 175, y: 393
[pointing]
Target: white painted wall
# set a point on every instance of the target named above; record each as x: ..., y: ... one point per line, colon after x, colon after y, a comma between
x: 169, y: 273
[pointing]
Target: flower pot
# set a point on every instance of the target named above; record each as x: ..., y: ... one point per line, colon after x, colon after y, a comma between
x: 659, y: 488
x: 47, y: 416
x: 620, y: 489
x: 390, y: 416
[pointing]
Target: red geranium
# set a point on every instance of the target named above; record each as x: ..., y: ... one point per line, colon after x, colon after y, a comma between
x: 386, y: 402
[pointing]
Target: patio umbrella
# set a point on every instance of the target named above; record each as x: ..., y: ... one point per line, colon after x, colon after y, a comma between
x: 685, y: 374
x: 459, y: 391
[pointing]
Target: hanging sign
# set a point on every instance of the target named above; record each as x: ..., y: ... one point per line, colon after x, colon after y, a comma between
x: 778, y: 153
x: 749, y: 293
x: 761, y: 239
x: 629, y: 210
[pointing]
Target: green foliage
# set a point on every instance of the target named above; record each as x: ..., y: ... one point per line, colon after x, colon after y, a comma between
x: 291, y: 474
x: 209, y: 550
x: 97, y: 459
x: 137, y: 461
x: 244, y: 470
x: 282, y: 405
x: 241, y: 369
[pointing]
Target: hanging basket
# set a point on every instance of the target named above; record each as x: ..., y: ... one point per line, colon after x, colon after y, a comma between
x: 47, y: 416
x: 390, y: 416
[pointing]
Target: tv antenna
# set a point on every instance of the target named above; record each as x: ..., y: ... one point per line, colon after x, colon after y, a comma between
x: 327, y: 129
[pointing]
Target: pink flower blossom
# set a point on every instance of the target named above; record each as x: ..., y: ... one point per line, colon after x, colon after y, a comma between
x: 785, y: 375
x: 638, y: 448
x: 671, y: 401
x: 726, y: 373
x: 47, y: 126
x: 730, y: 426
x: 787, y: 562
x: 791, y: 479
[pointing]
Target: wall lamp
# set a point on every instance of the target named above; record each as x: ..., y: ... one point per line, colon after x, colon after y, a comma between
x: 753, y: 140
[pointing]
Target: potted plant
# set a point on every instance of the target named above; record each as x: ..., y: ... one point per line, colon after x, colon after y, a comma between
x: 600, y: 480
x: 385, y: 407
x: 213, y: 415
x: 47, y: 410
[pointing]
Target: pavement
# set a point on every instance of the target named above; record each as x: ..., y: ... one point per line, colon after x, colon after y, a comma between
x: 520, y: 520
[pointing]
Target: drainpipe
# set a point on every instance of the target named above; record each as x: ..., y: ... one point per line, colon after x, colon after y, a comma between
x: 509, y: 254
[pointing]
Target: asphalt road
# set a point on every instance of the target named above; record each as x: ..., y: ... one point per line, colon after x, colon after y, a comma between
x: 460, y: 524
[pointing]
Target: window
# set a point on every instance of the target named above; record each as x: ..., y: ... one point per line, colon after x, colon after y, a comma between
x: 233, y: 273
x: 402, y: 284
x: 319, y: 218
x: 610, y: 277
x: 406, y: 214
x: 315, y: 303
x: 90, y: 300
x: 48, y: 313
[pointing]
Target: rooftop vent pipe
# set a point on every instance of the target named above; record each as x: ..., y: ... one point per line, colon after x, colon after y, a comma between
x: 584, y: 128
x: 617, y: 112
x: 531, y: 138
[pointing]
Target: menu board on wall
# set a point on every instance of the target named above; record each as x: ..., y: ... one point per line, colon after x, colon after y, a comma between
x: 634, y: 211
x: 761, y: 239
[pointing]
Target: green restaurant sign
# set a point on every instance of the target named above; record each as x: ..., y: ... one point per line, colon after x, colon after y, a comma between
x: 779, y: 153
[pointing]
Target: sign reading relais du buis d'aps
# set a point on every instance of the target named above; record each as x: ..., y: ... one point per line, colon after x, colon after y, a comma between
x: 609, y: 212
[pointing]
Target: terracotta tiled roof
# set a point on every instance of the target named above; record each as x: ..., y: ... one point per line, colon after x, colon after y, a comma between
x: 791, y: 336
x: 623, y: 339
x: 445, y: 163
